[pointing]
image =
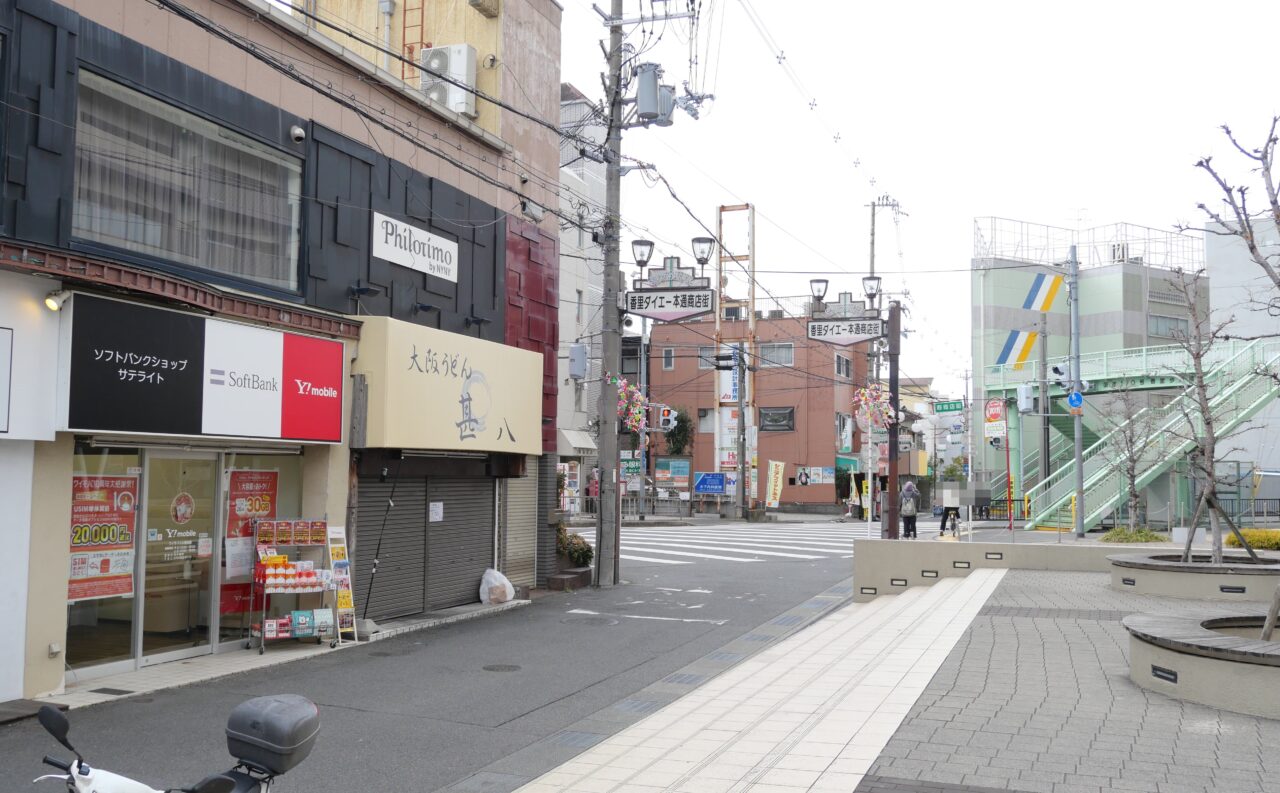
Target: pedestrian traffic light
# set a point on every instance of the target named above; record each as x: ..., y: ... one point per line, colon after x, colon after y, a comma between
x: 666, y: 418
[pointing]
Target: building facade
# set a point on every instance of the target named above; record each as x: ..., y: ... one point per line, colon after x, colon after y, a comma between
x: 232, y: 290
x: 802, y: 392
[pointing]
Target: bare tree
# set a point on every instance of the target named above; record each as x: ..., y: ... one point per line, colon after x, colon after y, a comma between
x: 1241, y: 220
x: 1199, y: 423
x: 1131, y: 427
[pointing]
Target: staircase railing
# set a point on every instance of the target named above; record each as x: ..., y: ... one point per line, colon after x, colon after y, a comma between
x: 1229, y: 370
x: 1161, y: 359
x: 1235, y: 404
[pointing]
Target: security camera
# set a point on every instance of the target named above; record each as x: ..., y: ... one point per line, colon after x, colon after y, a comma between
x: 297, y: 134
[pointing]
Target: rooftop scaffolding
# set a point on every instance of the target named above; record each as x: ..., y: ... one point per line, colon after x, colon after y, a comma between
x: 1034, y: 243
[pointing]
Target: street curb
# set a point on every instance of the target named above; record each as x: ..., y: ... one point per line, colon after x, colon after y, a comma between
x: 436, y: 622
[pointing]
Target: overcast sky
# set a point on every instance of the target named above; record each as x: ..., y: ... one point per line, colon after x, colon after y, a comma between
x: 1087, y: 114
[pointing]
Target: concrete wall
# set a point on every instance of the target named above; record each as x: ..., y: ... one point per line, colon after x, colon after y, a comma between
x: 883, y: 567
x: 1228, y: 685
x: 50, y: 559
x: 1195, y: 584
x: 16, y: 459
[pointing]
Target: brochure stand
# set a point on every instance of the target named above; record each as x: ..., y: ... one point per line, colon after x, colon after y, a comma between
x: 345, y: 605
x: 277, y: 574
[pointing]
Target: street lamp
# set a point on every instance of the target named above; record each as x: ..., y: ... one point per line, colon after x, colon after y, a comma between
x: 818, y: 288
x: 642, y: 251
x: 702, y: 248
x: 871, y: 287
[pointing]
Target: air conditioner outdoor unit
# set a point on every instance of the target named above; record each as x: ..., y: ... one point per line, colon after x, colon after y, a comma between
x: 457, y: 63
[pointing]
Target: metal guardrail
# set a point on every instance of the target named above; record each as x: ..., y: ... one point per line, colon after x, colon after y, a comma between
x: 1164, y: 359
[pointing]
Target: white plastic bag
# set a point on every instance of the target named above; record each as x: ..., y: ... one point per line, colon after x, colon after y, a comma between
x: 495, y: 588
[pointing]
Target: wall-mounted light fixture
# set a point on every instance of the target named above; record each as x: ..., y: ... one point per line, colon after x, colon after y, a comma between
x: 359, y: 289
x: 55, y: 300
x: 420, y: 307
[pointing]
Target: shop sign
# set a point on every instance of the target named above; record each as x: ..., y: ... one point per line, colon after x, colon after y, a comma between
x: 6, y: 375
x: 103, y: 519
x: 672, y: 473
x: 430, y: 389
x: 668, y: 305
x: 707, y: 482
x: 133, y: 368
x: 415, y: 248
x: 845, y: 331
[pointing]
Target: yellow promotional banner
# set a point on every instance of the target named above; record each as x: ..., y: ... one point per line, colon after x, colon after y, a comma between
x: 431, y: 389
x: 777, y: 472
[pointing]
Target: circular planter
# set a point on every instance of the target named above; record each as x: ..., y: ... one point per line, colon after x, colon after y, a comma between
x: 1164, y: 573
x: 1213, y: 658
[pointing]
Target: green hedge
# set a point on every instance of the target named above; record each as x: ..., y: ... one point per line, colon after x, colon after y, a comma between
x: 1260, y: 539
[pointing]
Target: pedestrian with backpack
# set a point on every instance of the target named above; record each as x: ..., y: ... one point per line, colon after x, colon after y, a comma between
x: 908, y: 505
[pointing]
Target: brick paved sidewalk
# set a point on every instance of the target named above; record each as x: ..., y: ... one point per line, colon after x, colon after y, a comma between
x: 1036, y: 696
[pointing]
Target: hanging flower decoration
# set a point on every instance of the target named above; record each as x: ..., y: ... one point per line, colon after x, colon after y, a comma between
x: 633, y: 408
x: 873, y: 402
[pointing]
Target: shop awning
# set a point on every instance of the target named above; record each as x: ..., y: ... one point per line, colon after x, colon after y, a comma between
x: 572, y: 442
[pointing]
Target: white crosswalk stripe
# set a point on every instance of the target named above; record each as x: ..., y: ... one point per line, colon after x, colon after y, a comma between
x: 687, y: 544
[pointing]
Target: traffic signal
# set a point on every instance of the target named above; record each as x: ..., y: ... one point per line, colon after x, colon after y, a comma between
x: 666, y: 418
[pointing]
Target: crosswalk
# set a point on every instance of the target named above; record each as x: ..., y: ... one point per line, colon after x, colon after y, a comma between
x: 745, y: 543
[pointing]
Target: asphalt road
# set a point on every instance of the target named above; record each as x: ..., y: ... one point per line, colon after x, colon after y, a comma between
x: 419, y: 712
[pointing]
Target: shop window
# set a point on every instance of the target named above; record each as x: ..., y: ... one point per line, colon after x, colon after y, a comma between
x: 777, y: 354
x: 265, y: 486
x: 777, y: 419
x: 106, y: 489
x: 162, y: 182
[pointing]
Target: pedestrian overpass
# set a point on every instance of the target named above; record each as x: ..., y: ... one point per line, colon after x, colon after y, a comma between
x: 1243, y: 378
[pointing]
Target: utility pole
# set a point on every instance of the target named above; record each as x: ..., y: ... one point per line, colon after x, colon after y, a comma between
x: 891, y: 492
x: 644, y: 431
x: 607, y: 525
x: 1044, y: 397
x: 744, y: 465
x: 1075, y: 387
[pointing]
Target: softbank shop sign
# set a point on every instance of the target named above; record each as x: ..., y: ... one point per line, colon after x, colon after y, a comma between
x: 400, y: 243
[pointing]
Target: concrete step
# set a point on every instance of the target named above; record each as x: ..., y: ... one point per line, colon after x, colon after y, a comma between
x: 573, y: 578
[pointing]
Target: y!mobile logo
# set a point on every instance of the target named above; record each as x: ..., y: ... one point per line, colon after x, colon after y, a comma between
x: 306, y: 389
x: 217, y: 376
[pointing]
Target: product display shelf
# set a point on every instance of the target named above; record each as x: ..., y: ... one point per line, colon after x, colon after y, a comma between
x: 263, y: 574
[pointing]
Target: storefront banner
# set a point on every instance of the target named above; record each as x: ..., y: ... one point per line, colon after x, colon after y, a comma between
x: 410, y: 246
x: 777, y: 473
x: 672, y: 473
x: 251, y: 495
x: 137, y: 369
x: 430, y: 389
x: 103, y: 520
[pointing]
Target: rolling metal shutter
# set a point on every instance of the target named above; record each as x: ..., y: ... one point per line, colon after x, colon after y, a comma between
x: 460, y: 547
x: 520, y: 550
x: 400, y: 585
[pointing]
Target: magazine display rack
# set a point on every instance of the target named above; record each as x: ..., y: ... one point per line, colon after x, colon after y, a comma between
x: 281, y: 570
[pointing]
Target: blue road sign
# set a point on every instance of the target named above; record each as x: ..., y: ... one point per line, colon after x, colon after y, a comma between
x: 704, y: 482
x: 1074, y: 399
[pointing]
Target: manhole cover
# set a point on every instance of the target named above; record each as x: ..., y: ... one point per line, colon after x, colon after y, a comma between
x: 502, y: 668
x: 590, y: 621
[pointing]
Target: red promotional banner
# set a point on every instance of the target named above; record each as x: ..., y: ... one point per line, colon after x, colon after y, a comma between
x: 103, y: 520
x: 251, y: 495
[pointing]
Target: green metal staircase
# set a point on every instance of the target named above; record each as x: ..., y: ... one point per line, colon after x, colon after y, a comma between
x: 1241, y: 382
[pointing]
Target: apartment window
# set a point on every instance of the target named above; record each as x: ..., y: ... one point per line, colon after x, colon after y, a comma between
x: 706, y: 357
x: 159, y: 181
x: 844, y: 366
x: 1172, y: 327
x: 777, y: 354
x: 578, y: 313
x: 777, y: 419
x: 668, y: 358
x: 631, y: 364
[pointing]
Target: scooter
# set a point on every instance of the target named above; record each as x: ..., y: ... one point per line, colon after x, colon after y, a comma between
x: 266, y: 735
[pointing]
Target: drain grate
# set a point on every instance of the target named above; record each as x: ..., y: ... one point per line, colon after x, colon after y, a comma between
x: 501, y: 668
x: 684, y: 679
x: 641, y: 706
x: 115, y: 692
x: 577, y: 740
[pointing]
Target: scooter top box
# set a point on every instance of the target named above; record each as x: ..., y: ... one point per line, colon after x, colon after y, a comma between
x: 273, y: 733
